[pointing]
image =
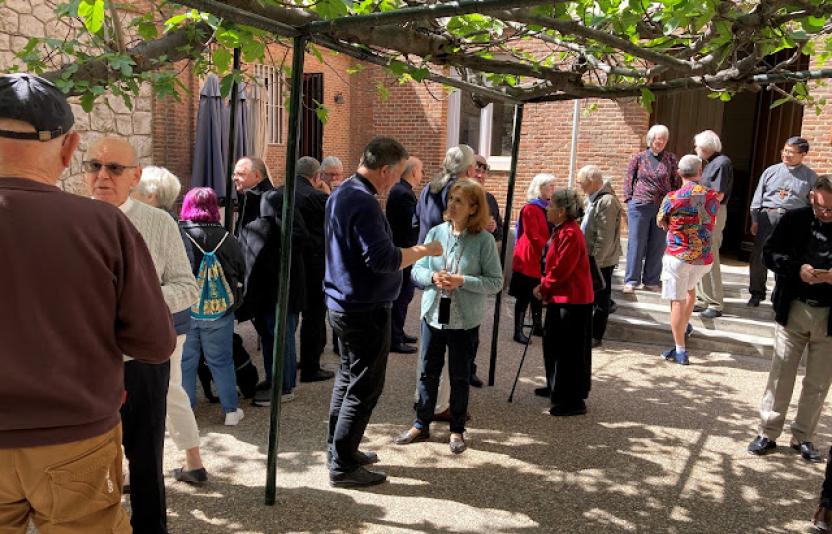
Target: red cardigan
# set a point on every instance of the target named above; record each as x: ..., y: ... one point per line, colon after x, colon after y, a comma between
x: 567, y: 279
x: 528, y: 251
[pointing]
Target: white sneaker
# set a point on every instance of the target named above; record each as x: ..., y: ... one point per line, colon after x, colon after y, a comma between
x: 234, y: 418
x: 287, y: 397
x: 628, y: 289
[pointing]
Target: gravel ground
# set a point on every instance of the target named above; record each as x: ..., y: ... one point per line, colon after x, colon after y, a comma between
x: 662, y: 449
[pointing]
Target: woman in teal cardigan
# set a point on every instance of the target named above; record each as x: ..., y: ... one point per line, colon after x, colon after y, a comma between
x: 453, y: 305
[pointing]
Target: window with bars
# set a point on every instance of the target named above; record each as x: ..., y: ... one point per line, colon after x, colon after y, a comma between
x: 272, y: 81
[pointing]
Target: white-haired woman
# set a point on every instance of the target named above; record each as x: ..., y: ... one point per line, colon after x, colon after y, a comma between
x: 158, y: 187
x: 650, y: 176
x: 459, y: 163
x: 533, y: 231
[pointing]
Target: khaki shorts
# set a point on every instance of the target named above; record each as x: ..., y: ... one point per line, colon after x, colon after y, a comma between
x: 679, y: 277
x: 65, y: 489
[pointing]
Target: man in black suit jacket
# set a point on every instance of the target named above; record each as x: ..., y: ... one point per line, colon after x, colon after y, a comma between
x: 401, y: 206
x: 311, y: 203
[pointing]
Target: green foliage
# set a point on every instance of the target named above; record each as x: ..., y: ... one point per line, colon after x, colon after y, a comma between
x: 92, y: 13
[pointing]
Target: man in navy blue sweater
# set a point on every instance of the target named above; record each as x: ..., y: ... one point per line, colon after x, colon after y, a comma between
x: 363, y: 277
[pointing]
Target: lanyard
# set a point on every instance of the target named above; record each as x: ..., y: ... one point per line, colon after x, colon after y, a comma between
x: 448, y: 263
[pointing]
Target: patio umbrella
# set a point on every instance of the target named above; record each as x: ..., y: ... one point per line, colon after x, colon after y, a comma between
x: 243, y: 141
x: 209, y: 148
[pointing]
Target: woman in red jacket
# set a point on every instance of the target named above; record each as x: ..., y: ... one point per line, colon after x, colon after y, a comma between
x: 533, y: 231
x: 566, y: 288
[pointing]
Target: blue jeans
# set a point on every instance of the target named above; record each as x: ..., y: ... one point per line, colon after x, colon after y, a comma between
x: 264, y: 324
x: 462, y: 348
x: 645, y: 245
x: 213, y: 339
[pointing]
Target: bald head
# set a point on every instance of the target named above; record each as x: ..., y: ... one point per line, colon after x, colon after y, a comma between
x: 111, y: 170
x: 43, y: 161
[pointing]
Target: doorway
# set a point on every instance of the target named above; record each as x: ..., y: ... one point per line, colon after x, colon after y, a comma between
x: 312, y: 141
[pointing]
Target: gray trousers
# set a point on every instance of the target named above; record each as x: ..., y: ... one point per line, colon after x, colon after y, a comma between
x: 709, y: 289
x: 758, y: 274
x: 807, y: 327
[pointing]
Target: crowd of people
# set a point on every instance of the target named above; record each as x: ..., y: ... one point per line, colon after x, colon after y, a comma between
x: 150, y: 297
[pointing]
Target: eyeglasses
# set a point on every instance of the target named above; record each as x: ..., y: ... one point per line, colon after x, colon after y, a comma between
x: 483, y: 166
x: 115, y: 169
x: 821, y: 211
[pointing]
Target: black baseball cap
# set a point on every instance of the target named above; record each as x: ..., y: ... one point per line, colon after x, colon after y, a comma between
x: 36, y: 101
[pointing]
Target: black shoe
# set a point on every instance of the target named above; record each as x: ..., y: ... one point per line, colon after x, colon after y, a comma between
x: 406, y: 438
x: 401, y: 348
x: 807, y: 451
x: 697, y: 308
x: 754, y: 301
x: 359, y: 478
x: 475, y: 381
x: 520, y: 337
x: 613, y: 307
x: 265, y: 385
x: 761, y: 445
x: 568, y: 410
x: 537, y: 331
x: 543, y: 392
x: 194, y: 476
x: 409, y: 339
x: 596, y: 343
x: 317, y: 376
x: 710, y: 313
x: 361, y: 457
x: 262, y: 398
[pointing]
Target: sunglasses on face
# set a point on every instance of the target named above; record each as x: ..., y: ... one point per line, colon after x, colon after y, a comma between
x: 115, y: 169
x: 822, y: 211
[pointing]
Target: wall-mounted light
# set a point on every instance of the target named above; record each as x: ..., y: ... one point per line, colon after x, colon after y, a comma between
x: 339, y: 98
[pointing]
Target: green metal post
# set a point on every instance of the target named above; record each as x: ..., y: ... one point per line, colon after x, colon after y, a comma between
x: 232, y: 142
x: 292, y: 150
x: 515, y: 156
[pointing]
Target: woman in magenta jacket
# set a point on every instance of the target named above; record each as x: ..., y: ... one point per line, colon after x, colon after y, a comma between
x: 566, y: 288
x: 532, y: 233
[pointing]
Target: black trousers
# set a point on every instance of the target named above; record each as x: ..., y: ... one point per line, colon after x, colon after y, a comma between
x: 567, y: 351
x: 313, y: 324
x: 364, y: 339
x: 757, y: 271
x: 399, y: 311
x: 601, y: 307
x: 143, y: 422
x: 826, y: 489
x: 461, y: 346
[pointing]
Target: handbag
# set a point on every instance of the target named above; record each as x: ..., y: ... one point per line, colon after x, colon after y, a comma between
x: 598, y: 282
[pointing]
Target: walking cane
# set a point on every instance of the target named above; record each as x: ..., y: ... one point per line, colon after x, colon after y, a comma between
x: 522, y: 358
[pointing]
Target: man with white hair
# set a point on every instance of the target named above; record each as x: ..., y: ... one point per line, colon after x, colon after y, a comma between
x: 718, y: 175
x: 331, y: 173
x: 688, y: 216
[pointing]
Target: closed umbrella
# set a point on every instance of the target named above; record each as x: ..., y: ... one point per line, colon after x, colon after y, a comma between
x: 209, y: 148
x: 243, y: 142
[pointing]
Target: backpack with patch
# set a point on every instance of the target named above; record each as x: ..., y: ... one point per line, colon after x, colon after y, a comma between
x: 215, y: 295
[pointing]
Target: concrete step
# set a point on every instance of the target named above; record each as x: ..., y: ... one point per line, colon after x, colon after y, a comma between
x: 732, y: 274
x: 735, y: 306
x: 634, y: 330
x: 729, y: 323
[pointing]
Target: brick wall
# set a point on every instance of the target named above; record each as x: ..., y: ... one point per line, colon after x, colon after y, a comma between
x: 174, y: 128
x: 817, y: 129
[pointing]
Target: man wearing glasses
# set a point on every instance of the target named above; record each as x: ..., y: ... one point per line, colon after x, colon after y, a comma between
x: 799, y: 252
x: 782, y: 187
x: 331, y: 175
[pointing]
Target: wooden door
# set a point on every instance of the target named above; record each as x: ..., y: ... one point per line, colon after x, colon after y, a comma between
x: 312, y: 139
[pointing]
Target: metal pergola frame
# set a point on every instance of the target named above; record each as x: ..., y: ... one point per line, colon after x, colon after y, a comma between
x: 310, y: 33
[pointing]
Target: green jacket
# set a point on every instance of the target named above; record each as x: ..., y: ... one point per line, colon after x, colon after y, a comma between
x: 480, y: 266
x: 603, y: 228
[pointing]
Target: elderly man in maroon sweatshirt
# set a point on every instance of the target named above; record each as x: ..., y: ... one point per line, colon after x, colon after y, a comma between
x: 79, y: 290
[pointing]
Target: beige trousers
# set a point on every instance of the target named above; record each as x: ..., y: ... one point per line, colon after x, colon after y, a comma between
x: 65, y: 489
x: 180, y: 421
x: 807, y: 327
x: 709, y: 289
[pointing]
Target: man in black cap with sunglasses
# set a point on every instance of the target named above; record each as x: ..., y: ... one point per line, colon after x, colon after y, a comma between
x: 79, y: 290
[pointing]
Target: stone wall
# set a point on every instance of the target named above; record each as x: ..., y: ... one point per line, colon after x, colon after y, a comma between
x: 23, y: 19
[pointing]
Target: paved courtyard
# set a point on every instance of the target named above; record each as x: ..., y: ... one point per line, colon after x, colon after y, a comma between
x: 662, y: 449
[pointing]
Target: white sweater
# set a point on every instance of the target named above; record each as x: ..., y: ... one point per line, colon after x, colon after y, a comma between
x: 163, y: 240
